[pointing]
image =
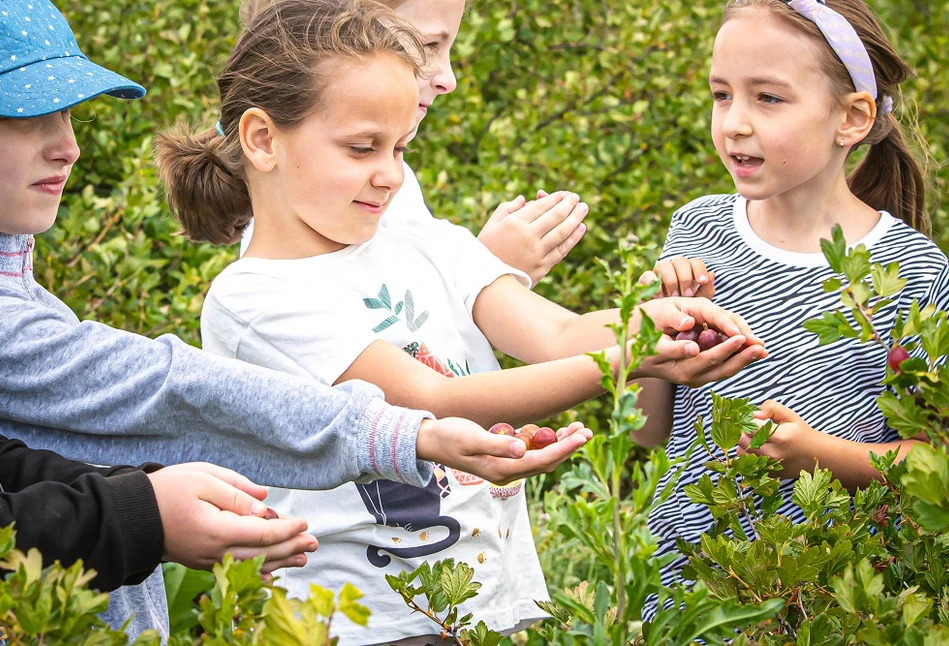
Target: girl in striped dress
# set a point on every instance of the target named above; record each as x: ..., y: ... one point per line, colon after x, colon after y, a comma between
x: 797, y: 87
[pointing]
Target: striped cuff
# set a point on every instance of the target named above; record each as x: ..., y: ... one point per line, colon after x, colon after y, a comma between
x: 387, y: 446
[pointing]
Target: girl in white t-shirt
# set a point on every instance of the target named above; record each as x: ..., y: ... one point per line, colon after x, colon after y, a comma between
x: 530, y: 235
x: 318, y: 99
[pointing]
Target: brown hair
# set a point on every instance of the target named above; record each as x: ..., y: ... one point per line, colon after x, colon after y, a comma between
x: 279, y: 66
x: 890, y: 177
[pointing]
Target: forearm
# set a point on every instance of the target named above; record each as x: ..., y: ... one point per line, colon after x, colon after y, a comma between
x: 656, y: 400
x: 518, y: 396
x: 134, y: 399
x: 113, y: 525
x: 849, y: 461
x: 588, y: 333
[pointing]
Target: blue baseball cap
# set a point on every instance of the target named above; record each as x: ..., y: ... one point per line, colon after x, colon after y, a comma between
x: 41, y: 68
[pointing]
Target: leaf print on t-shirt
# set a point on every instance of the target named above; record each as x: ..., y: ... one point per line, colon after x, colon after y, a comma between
x: 406, y: 306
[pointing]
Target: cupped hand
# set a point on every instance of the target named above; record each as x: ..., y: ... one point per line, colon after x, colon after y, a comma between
x: 208, y: 511
x: 682, y: 362
x: 461, y: 444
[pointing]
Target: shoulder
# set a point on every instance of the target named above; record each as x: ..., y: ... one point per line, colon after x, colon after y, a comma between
x: 916, y: 253
x: 922, y: 263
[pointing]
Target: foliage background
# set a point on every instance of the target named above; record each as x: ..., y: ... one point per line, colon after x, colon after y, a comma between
x: 606, y: 98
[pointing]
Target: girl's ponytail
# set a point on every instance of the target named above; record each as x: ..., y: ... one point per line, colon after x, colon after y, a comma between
x: 206, y: 192
x: 890, y: 177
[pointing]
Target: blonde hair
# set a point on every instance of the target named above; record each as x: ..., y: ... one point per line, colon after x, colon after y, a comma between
x: 278, y: 65
x: 890, y: 177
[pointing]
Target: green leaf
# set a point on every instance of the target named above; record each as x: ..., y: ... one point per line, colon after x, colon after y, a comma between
x: 835, y: 249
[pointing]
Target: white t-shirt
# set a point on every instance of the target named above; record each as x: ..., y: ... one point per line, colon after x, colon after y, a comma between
x: 414, y: 288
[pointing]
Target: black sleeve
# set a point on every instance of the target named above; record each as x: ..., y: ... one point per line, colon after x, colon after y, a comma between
x: 69, y: 510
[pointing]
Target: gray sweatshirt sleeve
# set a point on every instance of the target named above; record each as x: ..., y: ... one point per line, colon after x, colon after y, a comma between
x: 101, y: 395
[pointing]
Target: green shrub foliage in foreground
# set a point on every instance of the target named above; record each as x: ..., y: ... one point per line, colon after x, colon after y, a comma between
x: 866, y: 569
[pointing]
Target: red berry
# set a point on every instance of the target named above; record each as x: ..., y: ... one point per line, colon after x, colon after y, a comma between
x: 502, y: 428
x: 270, y: 514
x: 544, y: 437
x: 708, y: 339
x: 897, y: 355
x: 688, y: 335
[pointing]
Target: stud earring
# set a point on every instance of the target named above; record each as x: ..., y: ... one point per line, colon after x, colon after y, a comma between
x: 841, y: 142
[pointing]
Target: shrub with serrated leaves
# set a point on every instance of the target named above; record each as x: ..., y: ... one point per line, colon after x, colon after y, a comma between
x: 54, y: 606
x: 868, y: 569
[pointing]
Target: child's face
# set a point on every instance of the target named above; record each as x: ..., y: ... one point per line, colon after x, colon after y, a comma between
x: 438, y: 22
x: 36, y: 156
x: 774, y: 119
x: 342, y: 165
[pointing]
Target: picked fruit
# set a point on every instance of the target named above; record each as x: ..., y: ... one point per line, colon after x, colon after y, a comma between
x: 709, y: 338
x: 502, y: 428
x: 897, y: 356
x: 270, y: 514
x: 688, y: 335
x: 533, y: 436
x: 544, y: 437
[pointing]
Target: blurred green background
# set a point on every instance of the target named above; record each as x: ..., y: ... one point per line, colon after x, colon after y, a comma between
x: 606, y: 98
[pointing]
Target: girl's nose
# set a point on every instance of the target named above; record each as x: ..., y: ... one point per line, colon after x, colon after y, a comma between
x: 62, y: 147
x: 389, y: 175
x: 443, y: 81
x: 736, y: 122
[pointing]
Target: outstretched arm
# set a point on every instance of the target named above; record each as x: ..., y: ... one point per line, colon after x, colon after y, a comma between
x: 530, y: 328
x: 517, y: 396
x: 101, y: 395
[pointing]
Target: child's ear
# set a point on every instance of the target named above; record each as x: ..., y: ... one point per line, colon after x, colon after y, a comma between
x: 859, y: 116
x: 256, y: 131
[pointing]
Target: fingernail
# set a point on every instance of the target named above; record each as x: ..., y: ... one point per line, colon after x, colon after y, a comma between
x: 258, y: 508
x: 518, y: 448
x: 675, y: 292
x: 703, y: 278
x: 584, y: 207
x: 688, y: 291
x: 582, y: 228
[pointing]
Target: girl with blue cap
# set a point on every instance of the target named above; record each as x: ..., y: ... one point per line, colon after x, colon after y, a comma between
x: 105, y: 396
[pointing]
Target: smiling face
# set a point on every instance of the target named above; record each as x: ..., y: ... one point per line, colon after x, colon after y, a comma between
x: 335, y: 173
x: 774, y: 120
x: 36, y: 156
x: 438, y: 22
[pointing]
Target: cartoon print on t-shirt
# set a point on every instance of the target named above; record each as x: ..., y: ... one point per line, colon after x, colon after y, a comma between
x: 394, y: 504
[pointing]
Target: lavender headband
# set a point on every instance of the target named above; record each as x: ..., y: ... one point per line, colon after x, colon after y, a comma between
x: 843, y: 39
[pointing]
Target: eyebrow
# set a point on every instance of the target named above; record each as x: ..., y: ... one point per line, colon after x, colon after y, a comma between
x: 758, y: 80
x: 440, y: 35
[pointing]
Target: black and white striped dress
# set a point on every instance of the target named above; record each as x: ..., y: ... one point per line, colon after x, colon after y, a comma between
x: 833, y: 387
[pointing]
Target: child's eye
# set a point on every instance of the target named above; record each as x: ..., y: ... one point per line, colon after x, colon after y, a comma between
x: 361, y: 150
x: 721, y: 96
x: 401, y: 150
x: 434, y: 45
x: 770, y: 99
